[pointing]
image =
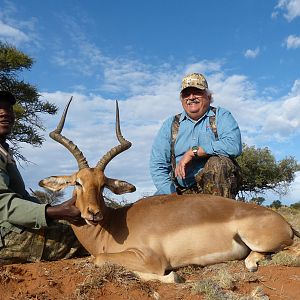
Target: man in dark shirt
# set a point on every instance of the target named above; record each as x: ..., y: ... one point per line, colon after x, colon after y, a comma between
x: 29, y: 230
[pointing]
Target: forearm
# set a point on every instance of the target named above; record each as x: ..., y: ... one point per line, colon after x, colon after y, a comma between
x: 229, y: 141
x: 21, y: 212
x: 230, y: 147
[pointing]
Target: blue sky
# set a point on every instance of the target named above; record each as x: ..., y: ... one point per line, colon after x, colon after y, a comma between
x: 137, y: 52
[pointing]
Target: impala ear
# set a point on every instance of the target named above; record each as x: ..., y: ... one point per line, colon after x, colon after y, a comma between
x: 57, y: 183
x: 119, y: 187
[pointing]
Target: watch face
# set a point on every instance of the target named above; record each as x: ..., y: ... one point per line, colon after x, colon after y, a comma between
x: 195, y: 150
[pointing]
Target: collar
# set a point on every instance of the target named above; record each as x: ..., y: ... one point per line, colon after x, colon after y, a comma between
x: 5, y: 151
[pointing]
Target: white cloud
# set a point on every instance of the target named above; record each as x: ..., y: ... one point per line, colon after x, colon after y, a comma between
x: 291, y: 197
x: 14, y: 29
x: 291, y: 8
x: 81, y: 56
x: 12, y: 34
x: 292, y: 42
x: 204, y: 67
x: 274, y: 14
x: 295, y: 91
x: 249, y: 53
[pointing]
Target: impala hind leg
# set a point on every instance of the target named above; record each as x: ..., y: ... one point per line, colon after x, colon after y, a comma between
x: 252, y: 259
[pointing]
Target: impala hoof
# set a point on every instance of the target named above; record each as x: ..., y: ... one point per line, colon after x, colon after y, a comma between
x: 253, y: 269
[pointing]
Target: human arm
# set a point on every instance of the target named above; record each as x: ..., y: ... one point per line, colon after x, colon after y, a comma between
x: 229, y: 141
x: 18, y: 210
x: 160, y: 160
x: 14, y: 209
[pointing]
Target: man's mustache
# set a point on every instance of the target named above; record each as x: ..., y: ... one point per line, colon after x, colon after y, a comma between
x: 191, y: 101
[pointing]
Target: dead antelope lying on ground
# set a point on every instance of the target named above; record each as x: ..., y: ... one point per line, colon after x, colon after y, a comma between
x: 160, y: 233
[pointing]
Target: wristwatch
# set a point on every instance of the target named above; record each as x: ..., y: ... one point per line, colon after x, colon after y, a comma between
x: 195, y: 150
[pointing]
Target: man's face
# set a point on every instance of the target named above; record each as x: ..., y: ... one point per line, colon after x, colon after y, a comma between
x: 195, y: 102
x: 7, y: 118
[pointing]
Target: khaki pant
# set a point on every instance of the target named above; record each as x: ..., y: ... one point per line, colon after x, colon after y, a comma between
x: 220, y: 176
x: 51, y: 243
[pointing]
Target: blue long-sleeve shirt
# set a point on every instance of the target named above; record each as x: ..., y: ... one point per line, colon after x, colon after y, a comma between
x: 192, y: 133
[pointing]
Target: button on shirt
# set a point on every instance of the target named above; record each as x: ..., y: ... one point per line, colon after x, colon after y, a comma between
x: 192, y: 133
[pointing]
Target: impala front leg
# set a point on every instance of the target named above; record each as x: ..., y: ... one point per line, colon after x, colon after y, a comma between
x: 145, y: 264
x: 142, y: 260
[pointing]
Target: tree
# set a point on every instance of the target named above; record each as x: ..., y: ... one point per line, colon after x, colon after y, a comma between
x: 28, y: 125
x: 261, y: 172
x: 258, y: 200
x: 276, y: 204
x: 295, y: 205
x: 48, y: 197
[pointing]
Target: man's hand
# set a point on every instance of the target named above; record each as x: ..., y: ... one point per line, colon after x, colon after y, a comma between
x: 181, y: 166
x: 180, y: 169
x: 65, y: 211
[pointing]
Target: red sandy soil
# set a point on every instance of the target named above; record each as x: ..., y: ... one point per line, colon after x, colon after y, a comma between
x: 77, y: 279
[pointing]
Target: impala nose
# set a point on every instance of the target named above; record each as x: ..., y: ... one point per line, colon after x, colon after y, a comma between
x: 95, y: 217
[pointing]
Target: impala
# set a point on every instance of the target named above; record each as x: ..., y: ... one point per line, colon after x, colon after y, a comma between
x: 160, y: 233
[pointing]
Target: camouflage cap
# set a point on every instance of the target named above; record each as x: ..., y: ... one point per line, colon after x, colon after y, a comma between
x: 195, y: 80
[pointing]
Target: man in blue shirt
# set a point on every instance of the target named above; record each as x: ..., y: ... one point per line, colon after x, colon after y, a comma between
x: 194, y: 152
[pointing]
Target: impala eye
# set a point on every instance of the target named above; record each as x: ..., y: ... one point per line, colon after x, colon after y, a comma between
x: 77, y: 184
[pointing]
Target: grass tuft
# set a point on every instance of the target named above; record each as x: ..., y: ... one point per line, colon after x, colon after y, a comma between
x: 282, y: 258
x: 210, y: 289
x: 97, y: 277
x: 225, y: 279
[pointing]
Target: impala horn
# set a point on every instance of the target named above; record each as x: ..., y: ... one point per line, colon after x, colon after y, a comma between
x: 124, y: 145
x: 56, y: 135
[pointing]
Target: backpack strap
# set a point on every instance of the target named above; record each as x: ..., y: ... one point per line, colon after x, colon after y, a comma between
x: 174, y: 132
x: 212, y: 122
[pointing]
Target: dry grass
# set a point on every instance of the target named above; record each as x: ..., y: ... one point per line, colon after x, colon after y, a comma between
x: 189, y: 270
x: 291, y: 215
x: 97, y: 277
x: 221, y: 281
x: 9, y: 274
x: 6, y: 276
x: 225, y: 279
x: 212, y: 289
x: 209, y: 288
x: 283, y: 258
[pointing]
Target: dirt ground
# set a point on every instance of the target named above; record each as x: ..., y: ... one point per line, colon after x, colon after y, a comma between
x: 79, y: 279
